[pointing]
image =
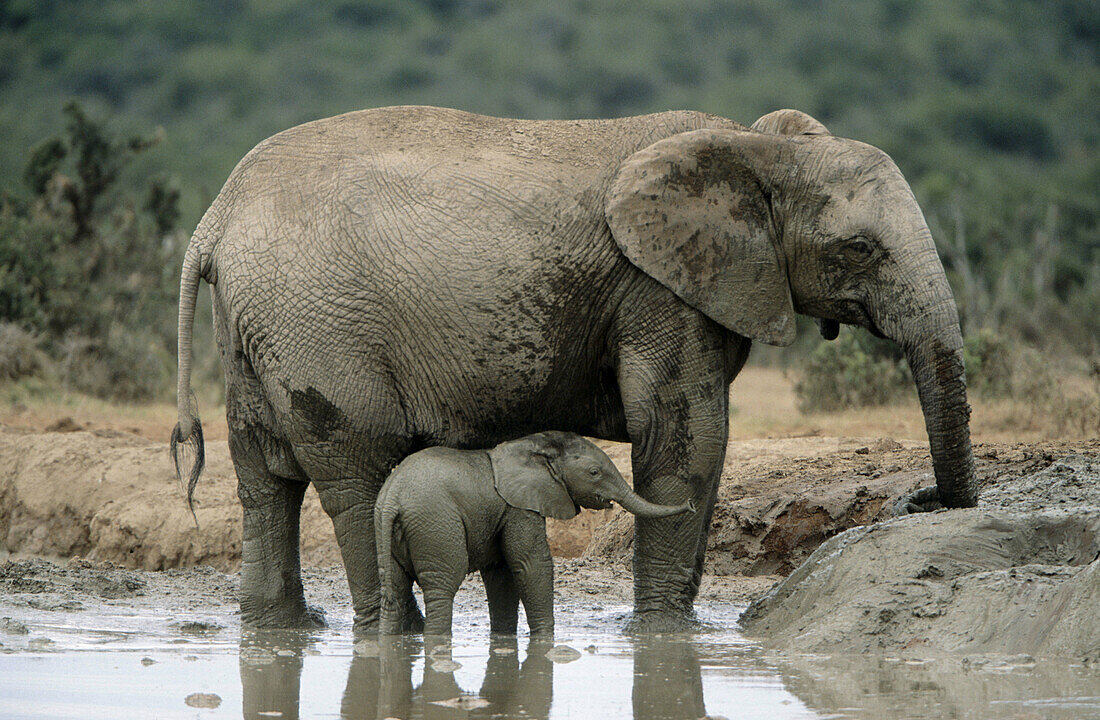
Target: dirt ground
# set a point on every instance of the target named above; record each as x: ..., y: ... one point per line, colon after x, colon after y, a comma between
x: 85, y: 479
x: 763, y: 403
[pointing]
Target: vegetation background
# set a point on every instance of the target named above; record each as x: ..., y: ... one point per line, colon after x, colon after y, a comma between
x: 120, y: 121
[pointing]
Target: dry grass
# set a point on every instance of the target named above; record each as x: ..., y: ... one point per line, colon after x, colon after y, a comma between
x: 34, y: 408
x: 764, y: 405
x: 763, y: 402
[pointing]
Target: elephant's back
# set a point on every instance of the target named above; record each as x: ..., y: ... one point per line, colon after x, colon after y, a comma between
x: 440, y: 480
x: 446, y: 134
x: 373, y: 184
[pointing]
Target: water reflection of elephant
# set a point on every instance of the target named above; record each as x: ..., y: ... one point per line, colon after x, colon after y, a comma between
x: 667, y: 680
x: 271, y: 671
x: 380, y: 685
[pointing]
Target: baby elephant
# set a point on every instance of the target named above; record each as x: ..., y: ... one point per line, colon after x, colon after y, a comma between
x: 444, y: 513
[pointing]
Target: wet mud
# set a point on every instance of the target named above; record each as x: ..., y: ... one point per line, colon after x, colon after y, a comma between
x: 1018, y: 575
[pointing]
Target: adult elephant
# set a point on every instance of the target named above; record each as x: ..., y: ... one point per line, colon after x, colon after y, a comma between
x: 403, y: 277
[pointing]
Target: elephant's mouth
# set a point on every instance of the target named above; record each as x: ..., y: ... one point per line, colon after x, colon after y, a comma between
x: 599, y: 502
x: 873, y: 329
x: 856, y: 313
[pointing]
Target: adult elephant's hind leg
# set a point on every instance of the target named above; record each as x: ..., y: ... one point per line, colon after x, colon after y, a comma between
x: 271, y: 592
x: 347, y: 482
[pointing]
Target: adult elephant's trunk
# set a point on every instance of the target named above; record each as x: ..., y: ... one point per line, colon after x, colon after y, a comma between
x: 927, y: 328
x: 937, y: 366
x: 637, y: 505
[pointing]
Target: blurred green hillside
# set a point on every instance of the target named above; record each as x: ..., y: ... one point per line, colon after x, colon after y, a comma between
x: 991, y: 109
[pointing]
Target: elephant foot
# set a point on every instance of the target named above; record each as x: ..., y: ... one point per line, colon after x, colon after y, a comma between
x: 289, y: 615
x: 926, y: 499
x: 313, y: 617
x: 661, y: 621
x: 412, y: 624
x: 364, y: 626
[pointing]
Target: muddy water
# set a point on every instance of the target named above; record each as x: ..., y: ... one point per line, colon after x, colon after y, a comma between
x: 103, y: 664
x: 83, y: 642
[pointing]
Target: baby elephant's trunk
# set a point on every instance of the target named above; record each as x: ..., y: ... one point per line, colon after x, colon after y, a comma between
x: 637, y: 505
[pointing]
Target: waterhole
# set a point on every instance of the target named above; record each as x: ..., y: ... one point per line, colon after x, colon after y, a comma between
x: 111, y: 661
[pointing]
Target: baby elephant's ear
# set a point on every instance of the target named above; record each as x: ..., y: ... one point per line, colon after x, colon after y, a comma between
x: 524, y: 477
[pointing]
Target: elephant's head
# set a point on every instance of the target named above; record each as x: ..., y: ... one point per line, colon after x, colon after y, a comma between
x: 554, y: 472
x: 750, y: 226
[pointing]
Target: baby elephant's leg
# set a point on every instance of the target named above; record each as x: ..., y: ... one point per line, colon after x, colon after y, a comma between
x: 402, y: 615
x: 503, y: 596
x: 439, y: 597
x: 527, y: 553
x: 437, y: 548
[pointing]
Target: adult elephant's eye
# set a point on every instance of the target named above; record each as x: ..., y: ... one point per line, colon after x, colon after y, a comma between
x: 859, y: 249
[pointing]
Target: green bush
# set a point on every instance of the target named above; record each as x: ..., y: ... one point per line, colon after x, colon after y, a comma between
x: 88, y: 265
x: 855, y: 370
x: 991, y: 362
x: 1051, y: 393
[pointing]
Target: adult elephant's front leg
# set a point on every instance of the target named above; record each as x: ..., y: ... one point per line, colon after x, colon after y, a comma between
x: 669, y: 552
x: 679, y: 433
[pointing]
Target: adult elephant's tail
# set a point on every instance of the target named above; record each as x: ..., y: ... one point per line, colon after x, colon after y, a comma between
x: 188, y: 431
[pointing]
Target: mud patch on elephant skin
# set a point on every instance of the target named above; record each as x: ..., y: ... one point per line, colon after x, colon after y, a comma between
x: 321, y: 417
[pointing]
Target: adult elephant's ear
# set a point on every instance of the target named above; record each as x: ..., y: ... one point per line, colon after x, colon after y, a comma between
x: 789, y: 122
x: 523, y: 473
x: 694, y: 212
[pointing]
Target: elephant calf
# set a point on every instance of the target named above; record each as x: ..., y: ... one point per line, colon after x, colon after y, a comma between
x: 444, y: 513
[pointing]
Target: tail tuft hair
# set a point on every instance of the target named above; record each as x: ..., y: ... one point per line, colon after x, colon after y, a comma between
x: 195, y: 443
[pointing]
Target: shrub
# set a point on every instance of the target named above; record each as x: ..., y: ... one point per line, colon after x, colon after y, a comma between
x: 855, y: 370
x: 88, y: 265
x: 991, y: 362
x: 1048, y: 396
x: 127, y: 365
x: 20, y: 353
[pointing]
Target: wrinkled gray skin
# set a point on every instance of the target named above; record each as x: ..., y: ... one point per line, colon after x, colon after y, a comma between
x: 399, y: 278
x: 444, y: 513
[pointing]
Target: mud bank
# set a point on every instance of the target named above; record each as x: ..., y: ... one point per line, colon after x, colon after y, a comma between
x: 113, y: 496
x: 104, y: 494
x: 1018, y: 575
x: 779, y: 499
